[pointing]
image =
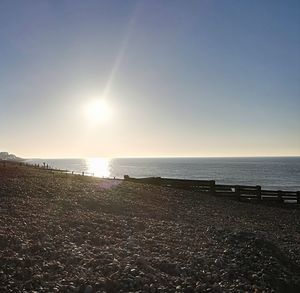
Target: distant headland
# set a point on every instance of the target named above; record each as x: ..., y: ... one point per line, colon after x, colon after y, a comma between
x: 9, y: 157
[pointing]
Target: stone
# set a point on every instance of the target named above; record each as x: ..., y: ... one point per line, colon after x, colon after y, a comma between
x: 88, y: 289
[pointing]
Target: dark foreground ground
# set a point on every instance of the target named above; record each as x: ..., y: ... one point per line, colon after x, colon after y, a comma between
x: 64, y: 233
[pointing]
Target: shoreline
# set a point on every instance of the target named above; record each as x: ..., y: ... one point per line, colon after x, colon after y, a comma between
x: 273, y: 173
x: 250, y: 193
x: 64, y: 233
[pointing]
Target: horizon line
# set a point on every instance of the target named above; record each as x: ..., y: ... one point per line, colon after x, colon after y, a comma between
x: 162, y: 157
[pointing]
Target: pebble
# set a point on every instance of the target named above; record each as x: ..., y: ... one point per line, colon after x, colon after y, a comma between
x: 88, y: 289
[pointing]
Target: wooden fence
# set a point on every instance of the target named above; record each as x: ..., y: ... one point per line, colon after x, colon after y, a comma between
x: 239, y: 192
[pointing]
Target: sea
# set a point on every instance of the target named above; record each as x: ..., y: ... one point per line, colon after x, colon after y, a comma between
x: 275, y: 173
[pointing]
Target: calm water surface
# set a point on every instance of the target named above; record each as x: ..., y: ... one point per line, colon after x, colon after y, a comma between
x: 269, y: 172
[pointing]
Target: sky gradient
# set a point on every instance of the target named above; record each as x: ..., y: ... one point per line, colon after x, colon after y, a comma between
x: 182, y: 78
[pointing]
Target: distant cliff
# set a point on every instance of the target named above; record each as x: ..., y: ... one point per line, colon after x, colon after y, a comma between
x: 9, y: 157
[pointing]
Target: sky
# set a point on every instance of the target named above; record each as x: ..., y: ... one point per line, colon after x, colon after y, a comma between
x: 179, y: 78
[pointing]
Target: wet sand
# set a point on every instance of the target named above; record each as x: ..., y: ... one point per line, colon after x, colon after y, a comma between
x: 69, y: 233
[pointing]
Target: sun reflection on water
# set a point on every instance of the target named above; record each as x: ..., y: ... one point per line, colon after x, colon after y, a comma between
x: 98, y: 166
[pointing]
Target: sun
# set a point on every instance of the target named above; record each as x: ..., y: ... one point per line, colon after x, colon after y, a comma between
x: 98, y: 110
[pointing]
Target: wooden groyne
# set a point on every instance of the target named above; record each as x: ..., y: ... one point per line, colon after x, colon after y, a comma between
x: 239, y: 192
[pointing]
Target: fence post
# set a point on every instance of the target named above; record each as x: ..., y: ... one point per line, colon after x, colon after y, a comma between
x: 258, y: 192
x: 280, y: 196
x: 82, y: 173
x: 238, y: 192
x: 212, y: 187
x: 298, y: 197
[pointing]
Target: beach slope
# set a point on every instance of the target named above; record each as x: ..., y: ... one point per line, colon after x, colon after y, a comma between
x: 69, y: 233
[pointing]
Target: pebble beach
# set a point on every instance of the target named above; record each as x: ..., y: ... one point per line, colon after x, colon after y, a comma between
x: 71, y: 233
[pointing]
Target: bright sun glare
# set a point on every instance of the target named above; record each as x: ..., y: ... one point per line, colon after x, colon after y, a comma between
x: 98, y: 110
x: 98, y: 166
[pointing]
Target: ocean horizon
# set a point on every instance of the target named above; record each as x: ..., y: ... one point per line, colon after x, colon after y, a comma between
x: 277, y: 173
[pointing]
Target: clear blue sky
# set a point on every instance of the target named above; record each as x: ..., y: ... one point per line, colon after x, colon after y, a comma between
x: 181, y: 78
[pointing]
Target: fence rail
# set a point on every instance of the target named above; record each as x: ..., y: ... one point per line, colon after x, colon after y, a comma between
x: 237, y: 191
